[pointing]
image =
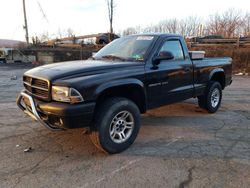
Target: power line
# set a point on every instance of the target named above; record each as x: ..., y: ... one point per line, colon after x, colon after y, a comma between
x: 41, y: 10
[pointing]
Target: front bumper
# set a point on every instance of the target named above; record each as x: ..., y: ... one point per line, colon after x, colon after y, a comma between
x: 56, y: 115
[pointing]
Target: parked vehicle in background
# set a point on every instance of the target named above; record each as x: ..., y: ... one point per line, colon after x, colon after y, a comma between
x: 105, y: 38
x: 245, y: 39
x: 2, y: 57
x: 123, y: 80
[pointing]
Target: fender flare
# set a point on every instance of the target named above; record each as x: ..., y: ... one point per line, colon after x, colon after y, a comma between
x: 214, y: 71
x: 119, y: 83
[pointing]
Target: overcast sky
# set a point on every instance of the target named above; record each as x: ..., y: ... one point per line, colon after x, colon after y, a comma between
x: 91, y: 16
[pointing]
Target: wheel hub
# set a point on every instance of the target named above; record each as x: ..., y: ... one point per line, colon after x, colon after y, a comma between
x: 121, y: 127
x: 215, y: 97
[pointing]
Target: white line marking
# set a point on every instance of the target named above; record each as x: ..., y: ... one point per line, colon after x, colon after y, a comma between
x: 112, y: 173
x: 122, y: 168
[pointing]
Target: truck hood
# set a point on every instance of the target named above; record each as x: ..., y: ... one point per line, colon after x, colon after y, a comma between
x: 78, y: 68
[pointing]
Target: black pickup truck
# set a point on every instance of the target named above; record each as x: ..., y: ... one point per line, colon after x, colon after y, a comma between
x: 108, y: 92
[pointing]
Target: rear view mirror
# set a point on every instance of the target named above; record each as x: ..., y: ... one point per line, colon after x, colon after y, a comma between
x: 163, y: 55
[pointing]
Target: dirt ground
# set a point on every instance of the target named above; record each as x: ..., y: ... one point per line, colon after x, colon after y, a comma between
x: 178, y: 146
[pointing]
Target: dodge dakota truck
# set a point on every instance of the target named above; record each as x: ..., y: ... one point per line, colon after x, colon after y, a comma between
x: 108, y: 92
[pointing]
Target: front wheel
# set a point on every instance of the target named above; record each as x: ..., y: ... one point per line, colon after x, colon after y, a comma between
x: 117, y: 123
x: 211, y: 100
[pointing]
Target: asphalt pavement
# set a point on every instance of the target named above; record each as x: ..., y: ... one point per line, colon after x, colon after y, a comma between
x: 179, y: 145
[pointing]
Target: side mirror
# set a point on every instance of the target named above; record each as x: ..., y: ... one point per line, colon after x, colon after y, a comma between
x: 164, y: 55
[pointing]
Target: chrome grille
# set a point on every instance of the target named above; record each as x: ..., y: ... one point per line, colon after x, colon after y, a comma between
x: 37, y: 87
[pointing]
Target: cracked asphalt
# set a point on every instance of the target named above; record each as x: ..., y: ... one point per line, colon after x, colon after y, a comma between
x: 178, y: 145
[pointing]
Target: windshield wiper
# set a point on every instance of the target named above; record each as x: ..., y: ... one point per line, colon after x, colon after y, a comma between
x: 113, y: 57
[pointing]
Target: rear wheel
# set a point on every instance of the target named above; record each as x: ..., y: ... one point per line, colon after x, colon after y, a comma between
x: 211, y: 100
x: 117, y: 124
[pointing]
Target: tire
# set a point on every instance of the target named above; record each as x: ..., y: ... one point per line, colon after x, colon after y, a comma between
x: 211, y: 100
x: 114, y: 116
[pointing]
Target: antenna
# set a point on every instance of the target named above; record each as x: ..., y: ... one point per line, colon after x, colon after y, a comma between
x: 25, y: 23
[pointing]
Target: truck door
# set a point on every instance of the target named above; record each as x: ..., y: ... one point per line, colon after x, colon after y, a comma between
x: 176, y: 75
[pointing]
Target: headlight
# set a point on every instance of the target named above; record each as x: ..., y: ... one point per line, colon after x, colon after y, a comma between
x: 65, y: 94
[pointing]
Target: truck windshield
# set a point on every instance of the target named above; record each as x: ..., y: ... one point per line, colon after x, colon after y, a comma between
x: 132, y: 48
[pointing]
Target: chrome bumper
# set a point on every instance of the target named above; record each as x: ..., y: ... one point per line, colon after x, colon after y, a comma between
x: 31, y: 110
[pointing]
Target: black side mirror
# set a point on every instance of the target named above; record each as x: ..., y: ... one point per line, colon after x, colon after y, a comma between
x: 164, y: 55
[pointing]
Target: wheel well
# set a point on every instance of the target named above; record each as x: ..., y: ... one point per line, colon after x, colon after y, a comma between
x: 132, y: 92
x: 219, y: 77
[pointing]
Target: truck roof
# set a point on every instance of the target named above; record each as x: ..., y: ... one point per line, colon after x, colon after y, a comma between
x: 158, y: 34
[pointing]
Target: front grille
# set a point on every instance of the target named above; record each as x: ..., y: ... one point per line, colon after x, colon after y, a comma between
x: 37, y: 87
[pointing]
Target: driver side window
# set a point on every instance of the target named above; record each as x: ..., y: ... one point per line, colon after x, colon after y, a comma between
x: 173, y: 46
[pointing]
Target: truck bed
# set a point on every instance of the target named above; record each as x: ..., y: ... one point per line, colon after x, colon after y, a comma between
x: 204, y: 68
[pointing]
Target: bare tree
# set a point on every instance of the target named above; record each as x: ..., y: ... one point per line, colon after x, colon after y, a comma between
x: 193, y: 26
x: 43, y: 37
x: 246, y: 24
x: 228, y: 24
x: 147, y: 29
x: 110, y: 4
x: 186, y: 27
x: 183, y: 25
x: 70, y: 32
x: 129, y: 31
x: 172, y: 25
x: 213, y: 26
x: 232, y: 20
x: 59, y: 34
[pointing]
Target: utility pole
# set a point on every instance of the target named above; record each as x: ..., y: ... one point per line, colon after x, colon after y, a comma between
x: 25, y: 24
